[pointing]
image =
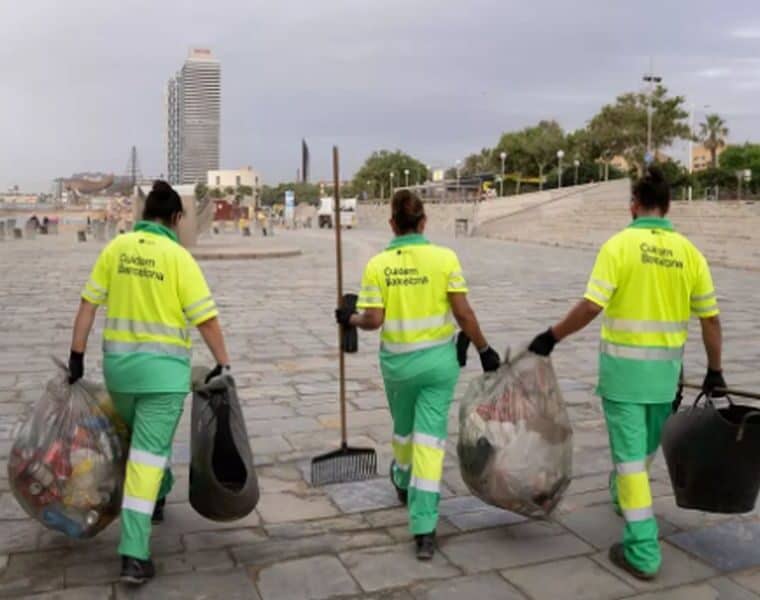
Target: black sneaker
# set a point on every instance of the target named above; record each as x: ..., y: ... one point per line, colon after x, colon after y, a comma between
x: 403, y: 495
x: 617, y: 556
x: 158, y: 512
x: 135, y: 571
x: 425, y: 546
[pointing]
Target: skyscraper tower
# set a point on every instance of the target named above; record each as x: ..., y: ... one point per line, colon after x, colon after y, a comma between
x: 193, y: 106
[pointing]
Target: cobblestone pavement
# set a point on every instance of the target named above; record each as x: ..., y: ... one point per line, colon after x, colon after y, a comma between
x: 350, y: 541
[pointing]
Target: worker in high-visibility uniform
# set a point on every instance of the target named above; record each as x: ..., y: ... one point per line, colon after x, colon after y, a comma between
x: 153, y: 289
x: 411, y: 290
x: 648, y: 280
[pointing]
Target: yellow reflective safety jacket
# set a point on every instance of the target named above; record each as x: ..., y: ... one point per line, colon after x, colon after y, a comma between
x: 153, y: 289
x: 649, y: 280
x: 411, y: 281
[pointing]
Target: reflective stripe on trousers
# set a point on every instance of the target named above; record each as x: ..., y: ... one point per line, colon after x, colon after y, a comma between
x: 634, y: 494
x: 144, y: 474
x: 428, y: 454
x: 402, y: 451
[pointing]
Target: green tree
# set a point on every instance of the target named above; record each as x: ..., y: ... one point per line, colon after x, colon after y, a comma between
x: 201, y: 189
x: 712, y: 134
x: 229, y: 190
x: 216, y: 193
x: 481, y: 162
x: 542, y: 143
x: 374, y: 176
x: 738, y: 158
x: 620, y: 129
x: 304, y: 192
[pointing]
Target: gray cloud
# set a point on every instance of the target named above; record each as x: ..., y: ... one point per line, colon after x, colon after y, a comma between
x: 81, y: 81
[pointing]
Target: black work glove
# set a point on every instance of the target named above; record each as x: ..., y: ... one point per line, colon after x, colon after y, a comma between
x: 543, y: 343
x: 217, y: 371
x: 463, y: 344
x: 714, y: 380
x: 489, y: 359
x: 349, y: 340
x: 343, y: 314
x: 76, y: 366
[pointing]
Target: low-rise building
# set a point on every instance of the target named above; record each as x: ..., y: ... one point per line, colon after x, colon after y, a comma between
x: 234, y: 178
x: 701, y: 158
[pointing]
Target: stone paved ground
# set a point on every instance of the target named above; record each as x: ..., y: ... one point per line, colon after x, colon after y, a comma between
x: 350, y: 541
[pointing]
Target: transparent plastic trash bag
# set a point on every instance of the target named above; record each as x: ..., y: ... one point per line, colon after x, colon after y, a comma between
x: 515, y: 440
x: 66, y: 467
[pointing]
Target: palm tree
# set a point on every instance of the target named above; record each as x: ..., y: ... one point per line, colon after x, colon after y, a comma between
x: 712, y: 134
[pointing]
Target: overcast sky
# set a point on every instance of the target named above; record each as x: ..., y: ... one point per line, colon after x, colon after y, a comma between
x: 81, y: 81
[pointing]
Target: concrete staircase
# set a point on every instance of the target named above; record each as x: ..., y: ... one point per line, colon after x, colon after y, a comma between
x: 728, y: 233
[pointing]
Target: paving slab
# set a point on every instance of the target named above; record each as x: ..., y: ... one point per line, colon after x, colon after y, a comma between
x: 270, y: 551
x: 678, y: 568
x: 728, y: 546
x: 749, y: 579
x: 512, y: 546
x: 394, y: 566
x: 230, y: 585
x: 702, y: 591
x: 601, y: 527
x: 93, y: 572
x: 484, y: 519
x: 19, y: 535
x: 27, y: 573
x: 314, y: 578
x: 388, y: 595
x: 208, y: 540
x: 308, y: 528
x: 568, y: 579
x: 480, y: 587
x: 283, y: 507
x: 90, y: 592
x: 207, y: 560
x: 730, y: 590
x: 360, y: 496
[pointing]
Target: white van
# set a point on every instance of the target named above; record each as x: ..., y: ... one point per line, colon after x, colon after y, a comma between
x: 347, y: 212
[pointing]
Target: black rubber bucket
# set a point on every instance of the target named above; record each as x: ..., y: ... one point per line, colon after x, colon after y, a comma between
x: 223, y: 483
x: 713, y: 456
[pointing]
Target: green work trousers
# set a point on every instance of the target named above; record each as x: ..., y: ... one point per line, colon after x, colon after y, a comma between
x: 420, y: 388
x: 634, y: 431
x: 152, y: 420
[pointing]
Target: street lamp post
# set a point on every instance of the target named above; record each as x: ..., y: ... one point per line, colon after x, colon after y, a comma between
x: 503, y: 157
x: 652, y: 80
x: 560, y: 155
x: 369, y: 187
x: 392, y: 174
x: 406, y: 175
x: 428, y: 173
x: 576, y: 164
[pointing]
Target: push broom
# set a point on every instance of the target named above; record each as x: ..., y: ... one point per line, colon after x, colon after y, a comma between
x: 346, y: 463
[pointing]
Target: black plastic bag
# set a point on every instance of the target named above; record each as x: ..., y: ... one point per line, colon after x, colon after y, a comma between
x: 223, y: 483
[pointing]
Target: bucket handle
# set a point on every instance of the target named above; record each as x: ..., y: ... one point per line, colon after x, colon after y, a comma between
x: 747, y: 417
x: 709, y: 400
